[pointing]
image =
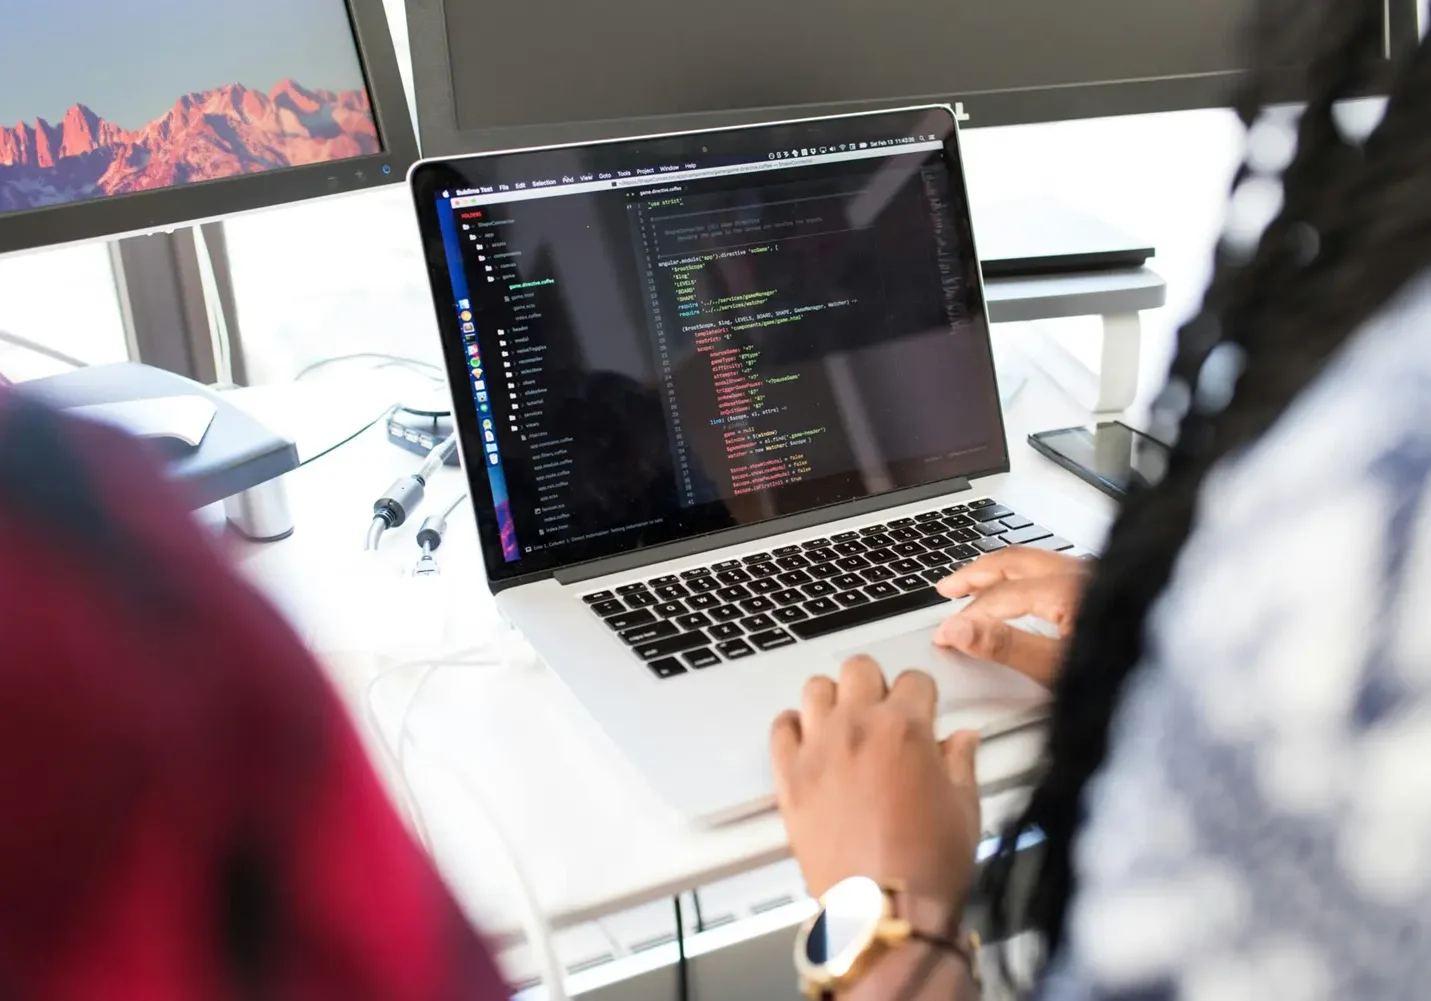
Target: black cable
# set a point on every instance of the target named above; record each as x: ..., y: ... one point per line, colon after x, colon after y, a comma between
x: 700, y: 918
x: 352, y: 437
x: 682, y: 973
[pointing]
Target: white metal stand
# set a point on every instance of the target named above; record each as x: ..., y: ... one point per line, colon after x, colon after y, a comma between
x: 1114, y: 385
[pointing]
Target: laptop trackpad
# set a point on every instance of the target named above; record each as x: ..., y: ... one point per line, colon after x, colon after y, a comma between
x: 973, y: 695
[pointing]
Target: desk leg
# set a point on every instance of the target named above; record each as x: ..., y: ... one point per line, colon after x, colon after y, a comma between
x: 261, y: 513
x: 1115, y: 384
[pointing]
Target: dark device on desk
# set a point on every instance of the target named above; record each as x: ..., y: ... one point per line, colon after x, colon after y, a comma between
x: 1112, y: 457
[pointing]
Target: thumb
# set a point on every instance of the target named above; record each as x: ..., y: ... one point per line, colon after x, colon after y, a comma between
x: 959, y: 753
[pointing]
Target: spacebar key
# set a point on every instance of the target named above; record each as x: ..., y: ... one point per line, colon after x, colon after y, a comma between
x: 848, y: 618
x: 672, y: 644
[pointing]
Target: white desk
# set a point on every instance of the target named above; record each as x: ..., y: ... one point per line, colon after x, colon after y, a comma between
x: 594, y: 839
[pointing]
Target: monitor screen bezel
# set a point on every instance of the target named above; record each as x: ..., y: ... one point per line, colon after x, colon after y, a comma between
x: 169, y: 208
x: 431, y: 176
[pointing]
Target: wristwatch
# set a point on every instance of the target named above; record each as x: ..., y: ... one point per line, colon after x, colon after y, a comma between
x: 859, y: 920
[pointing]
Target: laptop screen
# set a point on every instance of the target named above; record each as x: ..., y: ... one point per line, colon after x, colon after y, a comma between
x: 658, y: 339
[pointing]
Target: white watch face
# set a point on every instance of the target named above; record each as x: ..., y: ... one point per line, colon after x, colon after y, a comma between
x: 849, y: 918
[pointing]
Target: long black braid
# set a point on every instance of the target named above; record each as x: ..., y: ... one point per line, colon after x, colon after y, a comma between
x: 1354, y: 228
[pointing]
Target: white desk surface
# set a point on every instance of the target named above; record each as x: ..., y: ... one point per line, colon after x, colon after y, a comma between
x: 592, y: 837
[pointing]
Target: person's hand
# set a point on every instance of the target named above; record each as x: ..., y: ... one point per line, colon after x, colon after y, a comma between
x: 865, y: 790
x: 1010, y: 584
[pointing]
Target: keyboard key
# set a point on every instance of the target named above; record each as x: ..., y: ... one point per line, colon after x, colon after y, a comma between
x: 733, y: 593
x: 992, y: 528
x: 670, y: 592
x: 773, y: 640
x: 757, y: 623
x: 911, y: 583
x: 936, y: 541
x: 667, y: 667
x: 904, y: 535
x: 794, y: 613
x: 962, y: 552
x: 663, y: 581
x: 881, y: 591
x: 870, y: 611
x: 965, y: 535
x: 672, y: 645
x: 927, y: 516
x: 693, y: 574
x: 726, y: 565
x: 628, y: 620
x: 1053, y: 544
x: 876, y: 574
x: 819, y: 589
x: 605, y: 608
x: 824, y: 571
x: 1017, y: 521
x: 880, y: 541
x: 990, y: 513
x: 906, y: 565
x: 936, y: 559
x: 849, y: 599
x: 990, y: 545
x: 726, y: 613
x: 790, y: 597
x: 641, y: 599
x: 958, y: 521
x: 760, y: 570
x: 696, y: 620
x: 853, y: 548
x: 626, y: 589
x: 795, y: 578
x: 955, y: 509
x: 845, y: 537
x: 756, y: 558
x: 870, y: 530
x: 753, y: 605
x: 647, y: 633
x: 787, y: 550
x: 700, y: 602
x: 704, y: 657
x: 736, y: 650
x: 767, y: 586
x: 704, y: 585
x: 732, y: 576
x: 852, y: 563
x: 848, y: 581
x: 670, y: 609
x: 792, y: 563
x: 975, y: 505
x: 1023, y: 536
x: 882, y: 555
x: 822, y: 606
x: 823, y: 555
x: 934, y: 576
x: 901, y: 523
x: 725, y: 631
x: 598, y: 597
x: 815, y: 544
x: 909, y: 550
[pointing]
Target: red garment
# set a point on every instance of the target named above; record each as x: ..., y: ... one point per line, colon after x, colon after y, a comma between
x: 188, y: 813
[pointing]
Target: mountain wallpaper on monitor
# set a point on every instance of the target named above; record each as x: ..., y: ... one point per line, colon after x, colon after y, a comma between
x: 206, y: 136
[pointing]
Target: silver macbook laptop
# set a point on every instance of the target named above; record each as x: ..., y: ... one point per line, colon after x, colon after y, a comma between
x: 721, y: 398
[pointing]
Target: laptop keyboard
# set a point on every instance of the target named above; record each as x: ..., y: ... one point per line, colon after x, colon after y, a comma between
x: 734, y: 609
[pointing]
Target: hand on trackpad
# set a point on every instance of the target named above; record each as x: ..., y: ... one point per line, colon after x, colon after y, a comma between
x: 973, y: 695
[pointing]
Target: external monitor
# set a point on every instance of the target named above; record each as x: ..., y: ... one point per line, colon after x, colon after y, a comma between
x: 121, y: 118
x: 493, y: 75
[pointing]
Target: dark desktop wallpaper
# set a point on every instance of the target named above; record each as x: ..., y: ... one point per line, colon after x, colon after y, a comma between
x: 112, y: 98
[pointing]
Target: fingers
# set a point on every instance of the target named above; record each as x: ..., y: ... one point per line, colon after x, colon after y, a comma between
x: 817, y: 701
x: 784, y: 746
x: 1053, y: 599
x: 1038, y: 657
x: 959, y: 753
x: 861, y: 682
x: 916, y: 693
x: 1013, y: 563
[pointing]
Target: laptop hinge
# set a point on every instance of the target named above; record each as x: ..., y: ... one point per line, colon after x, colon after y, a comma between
x: 750, y: 533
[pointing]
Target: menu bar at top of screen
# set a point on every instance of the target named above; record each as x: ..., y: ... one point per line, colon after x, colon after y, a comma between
x: 665, y: 173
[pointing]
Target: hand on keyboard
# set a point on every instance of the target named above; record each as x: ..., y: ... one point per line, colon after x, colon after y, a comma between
x: 1011, y: 584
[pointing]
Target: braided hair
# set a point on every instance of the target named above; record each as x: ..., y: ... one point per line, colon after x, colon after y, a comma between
x: 1353, y: 228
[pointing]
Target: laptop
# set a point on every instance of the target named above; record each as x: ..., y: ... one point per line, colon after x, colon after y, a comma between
x: 722, y: 399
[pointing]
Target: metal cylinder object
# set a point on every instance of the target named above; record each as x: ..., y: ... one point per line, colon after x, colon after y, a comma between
x: 261, y: 513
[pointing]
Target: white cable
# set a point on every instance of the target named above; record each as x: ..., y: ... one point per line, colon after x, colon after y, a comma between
x: 534, y: 924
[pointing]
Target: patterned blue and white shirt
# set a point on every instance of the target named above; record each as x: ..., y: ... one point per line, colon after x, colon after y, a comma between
x: 1262, y: 827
